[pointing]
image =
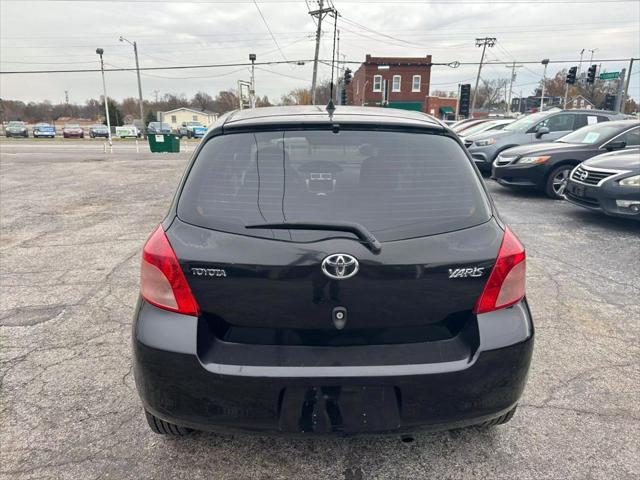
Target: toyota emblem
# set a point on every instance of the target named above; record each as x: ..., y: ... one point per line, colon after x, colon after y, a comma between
x: 340, y: 266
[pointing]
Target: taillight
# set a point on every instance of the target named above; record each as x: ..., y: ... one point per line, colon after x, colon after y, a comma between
x: 162, y: 281
x: 506, y: 282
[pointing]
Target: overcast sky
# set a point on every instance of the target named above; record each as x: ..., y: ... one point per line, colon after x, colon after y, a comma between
x: 52, y: 34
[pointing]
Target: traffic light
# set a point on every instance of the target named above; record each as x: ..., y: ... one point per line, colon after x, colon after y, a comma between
x: 591, y: 74
x: 571, y: 76
x: 465, y: 97
x: 609, y: 102
x: 347, y: 76
x: 346, y: 81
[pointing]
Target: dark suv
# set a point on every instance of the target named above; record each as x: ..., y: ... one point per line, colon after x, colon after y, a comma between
x: 331, y: 274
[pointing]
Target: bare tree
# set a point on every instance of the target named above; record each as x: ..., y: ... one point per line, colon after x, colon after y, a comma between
x: 202, y: 101
x: 595, y: 93
x: 491, y: 92
x: 225, y: 102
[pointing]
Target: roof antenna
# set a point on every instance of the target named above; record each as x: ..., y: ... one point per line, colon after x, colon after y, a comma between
x: 330, y: 108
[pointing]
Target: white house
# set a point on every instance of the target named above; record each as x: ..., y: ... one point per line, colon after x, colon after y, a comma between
x: 177, y: 116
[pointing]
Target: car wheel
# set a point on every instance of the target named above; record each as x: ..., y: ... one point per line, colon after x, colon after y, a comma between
x: 165, y: 428
x: 557, y: 182
x: 501, y: 420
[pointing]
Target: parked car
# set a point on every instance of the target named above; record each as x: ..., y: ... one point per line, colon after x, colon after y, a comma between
x: 546, y: 166
x: 43, y: 130
x: 72, y: 130
x: 467, y: 124
x: 128, y: 131
x: 16, y: 129
x: 491, y: 125
x: 608, y: 183
x: 158, y: 128
x: 537, y: 127
x: 98, y: 131
x: 359, y: 282
x: 191, y: 130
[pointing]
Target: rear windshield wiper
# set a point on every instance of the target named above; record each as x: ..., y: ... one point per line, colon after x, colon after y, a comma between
x: 364, y: 235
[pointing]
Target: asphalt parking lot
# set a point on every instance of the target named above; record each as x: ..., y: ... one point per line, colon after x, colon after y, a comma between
x: 73, y: 221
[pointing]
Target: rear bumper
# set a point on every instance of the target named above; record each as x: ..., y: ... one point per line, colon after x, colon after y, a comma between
x: 176, y: 385
x: 483, y: 156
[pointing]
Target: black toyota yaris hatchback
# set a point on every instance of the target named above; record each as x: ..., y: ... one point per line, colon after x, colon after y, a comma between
x: 342, y: 273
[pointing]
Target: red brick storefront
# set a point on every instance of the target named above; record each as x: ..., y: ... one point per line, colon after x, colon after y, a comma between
x: 408, y: 82
x: 441, y: 107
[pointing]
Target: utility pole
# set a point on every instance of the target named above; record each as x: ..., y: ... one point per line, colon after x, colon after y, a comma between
x: 513, y: 77
x: 320, y: 13
x: 100, y: 51
x: 484, y: 43
x: 520, y: 104
x: 580, y: 65
x: 252, y: 92
x: 66, y: 97
x: 338, y: 76
x: 135, y: 53
x: 620, y: 91
x: 155, y: 94
x: 544, y: 62
x: 626, y: 86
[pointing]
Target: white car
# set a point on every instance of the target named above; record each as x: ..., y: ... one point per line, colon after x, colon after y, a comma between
x: 127, y: 131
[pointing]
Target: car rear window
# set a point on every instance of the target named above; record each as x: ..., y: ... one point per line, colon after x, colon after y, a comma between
x: 398, y: 185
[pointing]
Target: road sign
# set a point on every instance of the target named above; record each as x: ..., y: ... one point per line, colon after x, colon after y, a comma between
x: 609, y: 75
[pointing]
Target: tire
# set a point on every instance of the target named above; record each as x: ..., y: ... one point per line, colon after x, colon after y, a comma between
x: 557, y: 182
x: 165, y: 428
x: 501, y: 420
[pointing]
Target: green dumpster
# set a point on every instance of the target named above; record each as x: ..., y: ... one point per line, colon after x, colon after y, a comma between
x: 164, y: 143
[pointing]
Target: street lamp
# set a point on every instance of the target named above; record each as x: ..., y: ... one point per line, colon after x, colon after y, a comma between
x: 544, y: 62
x: 100, y: 51
x: 135, y: 52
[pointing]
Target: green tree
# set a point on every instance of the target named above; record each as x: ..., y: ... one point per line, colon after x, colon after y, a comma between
x: 115, y: 115
x: 151, y: 117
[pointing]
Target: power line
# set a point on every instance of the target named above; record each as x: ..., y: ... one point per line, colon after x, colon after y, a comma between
x: 397, y: 2
x: 269, y: 29
x: 289, y: 62
x: 515, y: 28
x: 352, y: 22
x: 281, y: 74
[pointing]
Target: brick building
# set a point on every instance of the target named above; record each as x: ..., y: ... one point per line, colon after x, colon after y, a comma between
x: 443, y: 108
x: 407, y: 80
